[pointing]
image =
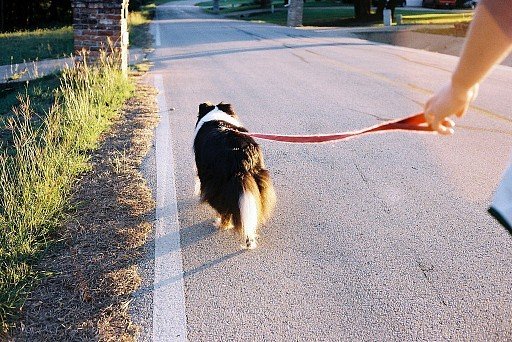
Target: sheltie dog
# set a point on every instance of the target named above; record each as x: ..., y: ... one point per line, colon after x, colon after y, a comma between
x: 231, y: 174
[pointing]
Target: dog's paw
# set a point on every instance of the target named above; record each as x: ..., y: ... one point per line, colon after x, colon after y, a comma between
x: 219, y: 223
x: 223, y: 225
x: 250, y: 243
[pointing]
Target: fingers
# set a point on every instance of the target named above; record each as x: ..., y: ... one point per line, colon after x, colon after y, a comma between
x: 443, y: 126
x: 447, y: 122
x: 445, y: 130
x: 448, y: 101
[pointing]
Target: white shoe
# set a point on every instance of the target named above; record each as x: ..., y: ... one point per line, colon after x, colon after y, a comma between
x: 501, y: 207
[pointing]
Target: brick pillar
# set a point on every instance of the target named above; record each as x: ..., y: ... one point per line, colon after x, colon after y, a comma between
x: 295, y: 13
x: 95, y: 21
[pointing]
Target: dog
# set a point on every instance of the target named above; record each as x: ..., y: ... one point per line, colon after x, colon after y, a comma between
x: 231, y: 175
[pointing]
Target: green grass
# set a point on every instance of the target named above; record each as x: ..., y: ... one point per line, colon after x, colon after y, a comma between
x: 161, y: 2
x: 444, y: 31
x: 18, y: 47
x: 41, y: 92
x: 343, y: 16
x: 434, y: 18
x: 49, y: 150
x: 228, y: 6
x: 26, y: 46
x: 324, y: 3
x: 277, y: 3
x: 232, y: 9
x: 231, y: 6
x: 138, y: 26
x: 227, y: 3
x: 318, y: 13
x: 311, y: 16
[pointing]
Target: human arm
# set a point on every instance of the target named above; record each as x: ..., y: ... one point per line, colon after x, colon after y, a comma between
x: 486, y: 45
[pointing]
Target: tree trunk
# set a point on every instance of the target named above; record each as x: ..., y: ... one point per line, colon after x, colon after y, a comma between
x: 265, y: 3
x: 2, y: 18
x: 381, y: 4
x: 391, y: 6
x: 295, y: 12
x: 362, y: 9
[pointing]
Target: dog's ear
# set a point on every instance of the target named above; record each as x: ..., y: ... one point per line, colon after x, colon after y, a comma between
x: 205, y: 108
x: 227, y: 108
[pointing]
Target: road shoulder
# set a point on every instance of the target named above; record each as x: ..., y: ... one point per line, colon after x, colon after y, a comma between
x: 92, y: 272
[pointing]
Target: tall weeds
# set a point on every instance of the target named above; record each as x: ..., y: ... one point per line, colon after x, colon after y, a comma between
x: 38, y: 172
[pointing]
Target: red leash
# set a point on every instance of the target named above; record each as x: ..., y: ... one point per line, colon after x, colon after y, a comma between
x: 412, y: 123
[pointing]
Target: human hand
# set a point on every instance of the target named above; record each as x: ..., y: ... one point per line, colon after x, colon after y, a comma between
x: 450, y: 100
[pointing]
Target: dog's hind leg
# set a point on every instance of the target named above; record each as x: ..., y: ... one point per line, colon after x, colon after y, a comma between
x: 224, y: 222
x: 197, y: 182
x: 249, y: 212
x: 197, y: 186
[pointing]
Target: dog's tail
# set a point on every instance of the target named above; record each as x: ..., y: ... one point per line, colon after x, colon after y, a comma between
x: 255, y: 205
x: 267, y: 194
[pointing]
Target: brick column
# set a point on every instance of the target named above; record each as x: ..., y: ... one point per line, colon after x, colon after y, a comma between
x: 295, y: 13
x: 95, y: 21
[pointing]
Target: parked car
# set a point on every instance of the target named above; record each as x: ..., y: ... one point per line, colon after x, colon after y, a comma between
x: 439, y: 3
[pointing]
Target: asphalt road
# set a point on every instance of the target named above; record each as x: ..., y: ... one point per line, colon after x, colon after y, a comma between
x: 380, y: 238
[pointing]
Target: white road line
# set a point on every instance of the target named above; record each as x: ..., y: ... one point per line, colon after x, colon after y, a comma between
x: 157, y: 35
x: 155, y: 29
x: 169, y: 318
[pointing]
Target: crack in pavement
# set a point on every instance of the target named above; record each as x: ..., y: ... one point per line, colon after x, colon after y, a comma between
x: 425, y: 270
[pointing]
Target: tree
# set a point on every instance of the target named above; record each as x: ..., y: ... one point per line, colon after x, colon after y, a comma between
x: 216, y: 6
x: 265, y: 3
x: 381, y: 5
x: 362, y: 9
x: 27, y: 14
x: 385, y: 4
x: 391, y: 6
x: 2, y: 18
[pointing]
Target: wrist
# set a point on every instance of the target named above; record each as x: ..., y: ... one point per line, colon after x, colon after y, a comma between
x: 460, y: 87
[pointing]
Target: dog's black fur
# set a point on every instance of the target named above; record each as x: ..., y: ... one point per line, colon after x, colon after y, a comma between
x: 229, y: 165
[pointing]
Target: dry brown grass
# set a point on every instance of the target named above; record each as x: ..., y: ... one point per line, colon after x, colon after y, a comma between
x: 458, y: 30
x: 92, y: 270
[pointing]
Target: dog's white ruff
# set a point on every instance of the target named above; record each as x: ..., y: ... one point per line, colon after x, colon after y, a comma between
x: 216, y: 115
